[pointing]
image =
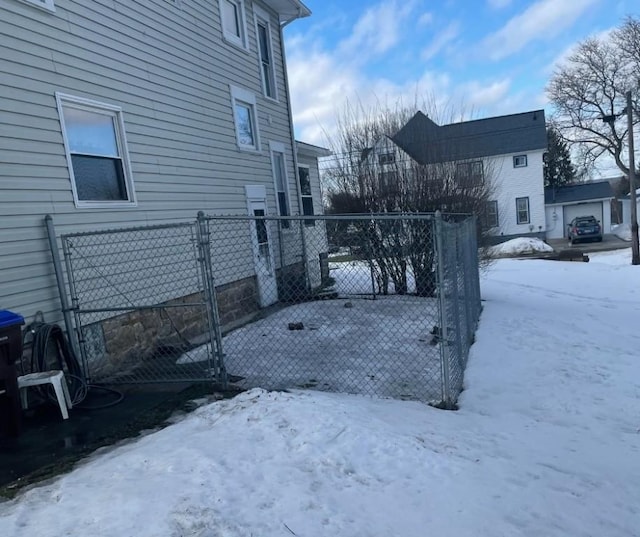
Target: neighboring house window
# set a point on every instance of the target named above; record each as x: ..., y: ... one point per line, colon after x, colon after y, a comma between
x: 388, y: 183
x: 233, y: 23
x: 280, y: 178
x: 491, y: 215
x: 386, y: 158
x: 265, y: 52
x: 96, y: 149
x: 522, y: 210
x: 45, y: 4
x: 245, y: 117
x: 307, y: 197
x: 470, y: 174
x: 520, y: 161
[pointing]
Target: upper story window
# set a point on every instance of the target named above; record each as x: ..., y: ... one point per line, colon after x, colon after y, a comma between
x: 265, y: 52
x: 470, y: 174
x: 245, y: 117
x: 520, y: 161
x: 280, y: 179
x: 234, y: 28
x: 44, y: 4
x: 96, y: 149
x: 386, y: 158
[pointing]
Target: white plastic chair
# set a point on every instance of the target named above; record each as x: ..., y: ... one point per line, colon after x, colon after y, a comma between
x: 56, y: 379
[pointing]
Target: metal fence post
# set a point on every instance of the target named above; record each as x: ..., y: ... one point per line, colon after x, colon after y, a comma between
x: 213, y: 319
x: 444, y: 331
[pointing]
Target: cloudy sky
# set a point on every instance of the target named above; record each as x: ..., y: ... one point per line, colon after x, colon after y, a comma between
x: 484, y: 57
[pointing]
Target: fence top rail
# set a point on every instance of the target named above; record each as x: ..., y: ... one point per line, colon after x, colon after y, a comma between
x: 374, y: 216
x: 110, y: 231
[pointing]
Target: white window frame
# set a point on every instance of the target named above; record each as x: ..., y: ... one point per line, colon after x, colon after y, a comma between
x: 518, y: 221
x: 261, y: 17
x: 278, y: 147
x: 523, y: 161
x: 240, y: 95
x: 47, y: 5
x: 230, y: 36
x: 63, y: 99
x: 307, y: 223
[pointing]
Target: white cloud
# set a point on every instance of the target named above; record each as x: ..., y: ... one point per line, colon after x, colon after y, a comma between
x: 378, y: 30
x: 498, y: 4
x: 543, y: 20
x: 425, y: 19
x: 562, y: 58
x: 441, y: 39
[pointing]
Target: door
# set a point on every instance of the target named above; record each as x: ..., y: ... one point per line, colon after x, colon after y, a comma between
x: 582, y: 209
x: 262, y: 250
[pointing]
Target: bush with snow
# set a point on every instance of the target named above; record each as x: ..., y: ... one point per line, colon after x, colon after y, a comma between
x: 520, y: 246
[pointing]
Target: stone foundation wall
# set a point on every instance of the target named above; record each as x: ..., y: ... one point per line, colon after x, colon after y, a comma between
x: 121, y: 342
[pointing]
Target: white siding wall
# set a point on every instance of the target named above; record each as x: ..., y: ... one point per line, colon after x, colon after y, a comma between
x: 556, y: 228
x: 169, y: 69
x: 509, y: 183
x: 316, y: 236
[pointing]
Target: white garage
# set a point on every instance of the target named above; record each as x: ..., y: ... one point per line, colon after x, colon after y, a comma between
x: 563, y: 204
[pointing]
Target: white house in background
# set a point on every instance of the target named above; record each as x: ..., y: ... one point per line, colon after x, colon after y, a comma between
x: 563, y: 204
x: 117, y: 114
x: 626, y: 207
x: 506, y: 150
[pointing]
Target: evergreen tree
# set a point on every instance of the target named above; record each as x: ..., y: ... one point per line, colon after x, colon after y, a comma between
x: 558, y: 169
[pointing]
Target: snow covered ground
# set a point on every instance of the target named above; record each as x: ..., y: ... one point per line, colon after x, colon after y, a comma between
x: 546, y: 443
x: 519, y: 246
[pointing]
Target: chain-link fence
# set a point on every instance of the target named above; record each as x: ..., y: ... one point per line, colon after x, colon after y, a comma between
x: 381, y: 305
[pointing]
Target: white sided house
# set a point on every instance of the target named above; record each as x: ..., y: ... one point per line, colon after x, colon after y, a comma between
x: 136, y: 113
x: 506, y: 151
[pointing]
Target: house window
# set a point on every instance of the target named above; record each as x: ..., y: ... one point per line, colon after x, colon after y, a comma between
x: 233, y: 23
x: 491, y: 215
x: 616, y: 212
x: 96, y: 148
x: 280, y: 179
x: 305, y: 192
x: 388, y: 184
x: 520, y: 161
x: 470, y: 174
x: 386, y: 158
x: 44, y: 4
x: 244, y: 113
x: 265, y: 52
x: 522, y: 210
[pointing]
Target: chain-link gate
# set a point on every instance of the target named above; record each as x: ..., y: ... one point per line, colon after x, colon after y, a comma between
x: 141, y: 304
x: 382, y: 305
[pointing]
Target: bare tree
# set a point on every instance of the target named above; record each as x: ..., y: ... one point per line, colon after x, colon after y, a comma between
x: 590, y: 86
x: 370, y: 174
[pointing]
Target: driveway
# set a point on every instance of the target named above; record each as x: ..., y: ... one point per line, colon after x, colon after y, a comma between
x: 609, y: 242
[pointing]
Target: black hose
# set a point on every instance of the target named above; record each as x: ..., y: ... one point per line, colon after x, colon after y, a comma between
x: 49, y: 344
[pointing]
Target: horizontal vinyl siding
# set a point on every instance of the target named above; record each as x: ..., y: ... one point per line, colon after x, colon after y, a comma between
x: 170, y: 71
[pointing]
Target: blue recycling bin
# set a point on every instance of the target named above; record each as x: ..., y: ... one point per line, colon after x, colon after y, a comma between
x: 10, y: 352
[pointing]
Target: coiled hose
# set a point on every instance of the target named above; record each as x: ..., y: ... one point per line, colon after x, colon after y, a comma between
x: 50, y: 350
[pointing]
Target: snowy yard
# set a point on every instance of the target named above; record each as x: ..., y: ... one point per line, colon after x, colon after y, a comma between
x: 546, y: 443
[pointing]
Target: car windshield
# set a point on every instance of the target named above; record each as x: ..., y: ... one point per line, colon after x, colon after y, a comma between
x: 586, y: 222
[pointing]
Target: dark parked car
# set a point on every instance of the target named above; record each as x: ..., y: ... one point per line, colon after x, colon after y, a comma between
x: 585, y: 228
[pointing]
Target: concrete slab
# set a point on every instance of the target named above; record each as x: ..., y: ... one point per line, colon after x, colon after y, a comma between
x: 609, y: 242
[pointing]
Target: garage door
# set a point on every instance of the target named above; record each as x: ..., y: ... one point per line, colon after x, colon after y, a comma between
x: 582, y: 209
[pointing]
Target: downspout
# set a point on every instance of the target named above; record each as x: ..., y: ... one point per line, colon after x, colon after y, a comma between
x: 305, y: 258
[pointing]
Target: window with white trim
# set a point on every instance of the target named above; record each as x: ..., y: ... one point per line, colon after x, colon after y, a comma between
x: 280, y: 179
x: 491, y: 215
x: 44, y: 4
x: 245, y: 118
x: 306, y: 194
x: 522, y: 210
x: 234, y: 28
x: 520, y: 161
x: 96, y: 149
x: 265, y: 52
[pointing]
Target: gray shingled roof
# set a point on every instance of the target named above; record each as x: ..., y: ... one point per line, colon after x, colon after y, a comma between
x: 427, y: 142
x: 578, y: 192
